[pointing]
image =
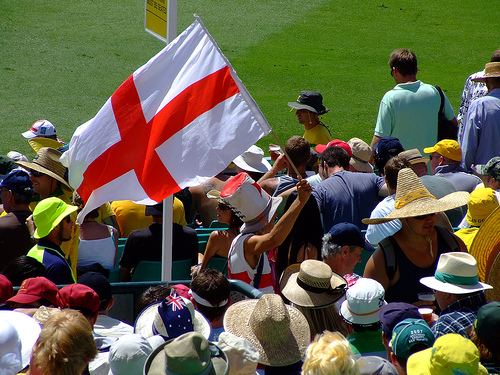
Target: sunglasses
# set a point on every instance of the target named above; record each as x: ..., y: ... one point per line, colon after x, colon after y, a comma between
x: 37, y: 173
x: 422, y: 217
x: 222, y: 206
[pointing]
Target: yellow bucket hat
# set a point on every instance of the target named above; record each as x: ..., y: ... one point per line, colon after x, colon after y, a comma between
x: 482, y: 202
x: 48, y: 214
x: 451, y: 354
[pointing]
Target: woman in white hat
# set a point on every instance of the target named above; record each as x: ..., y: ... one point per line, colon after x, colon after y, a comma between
x: 257, y: 210
x: 402, y: 259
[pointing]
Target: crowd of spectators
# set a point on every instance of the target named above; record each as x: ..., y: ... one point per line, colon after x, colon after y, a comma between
x: 369, y: 259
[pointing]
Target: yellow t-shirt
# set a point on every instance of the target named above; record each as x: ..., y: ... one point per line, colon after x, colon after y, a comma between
x: 319, y: 135
x: 467, y: 235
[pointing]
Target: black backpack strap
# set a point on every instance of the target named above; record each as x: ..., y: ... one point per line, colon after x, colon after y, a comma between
x: 441, y: 107
x: 389, y: 256
x: 260, y: 266
x: 449, y: 238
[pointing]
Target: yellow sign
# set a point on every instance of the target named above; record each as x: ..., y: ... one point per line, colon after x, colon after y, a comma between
x: 156, y: 18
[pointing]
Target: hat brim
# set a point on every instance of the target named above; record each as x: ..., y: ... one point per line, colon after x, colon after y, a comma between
x: 157, y: 361
x: 435, y: 284
x: 23, y: 298
x: 361, y: 166
x: 28, y: 330
x: 37, y: 143
x: 262, y: 167
x: 301, y: 297
x: 68, y: 211
x: 364, y: 319
x: 424, y: 206
x: 423, y: 159
x: 273, y: 205
x: 290, y: 349
x: 144, y: 322
x: 485, y: 247
x: 42, y: 169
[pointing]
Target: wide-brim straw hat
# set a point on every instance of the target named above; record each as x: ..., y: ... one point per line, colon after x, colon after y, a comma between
x: 413, y: 199
x: 150, y: 316
x: 486, y: 245
x: 493, y: 278
x: 491, y: 70
x: 252, y: 160
x: 252, y: 204
x: 312, y: 284
x: 279, y: 332
x: 28, y: 330
x: 47, y: 162
x: 456, y: 273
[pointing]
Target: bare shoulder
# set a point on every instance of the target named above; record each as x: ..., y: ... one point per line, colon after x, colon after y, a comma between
x: 375, y: 268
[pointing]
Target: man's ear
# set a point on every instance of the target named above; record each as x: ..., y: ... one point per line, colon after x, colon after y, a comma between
x: 345, y: 250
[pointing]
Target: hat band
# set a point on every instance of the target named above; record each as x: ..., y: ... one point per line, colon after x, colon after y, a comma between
x: 206, y: 371
x: 365, y: 314
x: 454, y: 279
x: 359, y: 159
x: 317, y: 290
x: 411, y: 196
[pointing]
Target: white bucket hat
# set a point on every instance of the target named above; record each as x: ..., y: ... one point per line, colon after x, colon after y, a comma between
x: 456, y: 273
x: 242, y: 356
x: 248, y: 201
x: 363, y: 302
x: 252, y: 160
x: 28, y: 330
x: 128, y: 354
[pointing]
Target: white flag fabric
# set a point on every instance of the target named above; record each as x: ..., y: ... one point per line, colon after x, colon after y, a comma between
x: 177, y: 121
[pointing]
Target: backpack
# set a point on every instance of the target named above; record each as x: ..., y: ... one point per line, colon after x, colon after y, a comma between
x: 390, y: 257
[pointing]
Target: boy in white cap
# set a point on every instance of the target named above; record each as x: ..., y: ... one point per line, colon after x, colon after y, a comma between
x: 247, y: 259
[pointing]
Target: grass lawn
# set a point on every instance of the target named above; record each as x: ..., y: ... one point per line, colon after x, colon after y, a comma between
x: 62, y: 60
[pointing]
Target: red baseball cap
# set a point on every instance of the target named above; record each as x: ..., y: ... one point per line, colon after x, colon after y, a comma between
x: 6, y: 289
x: 33, y: 289
x: 336, y: 142
x: 78, y: 296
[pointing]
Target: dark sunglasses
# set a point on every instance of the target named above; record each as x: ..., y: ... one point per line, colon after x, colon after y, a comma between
x: 422, y: 217
x: 36, y: 173
x: 222, y: 206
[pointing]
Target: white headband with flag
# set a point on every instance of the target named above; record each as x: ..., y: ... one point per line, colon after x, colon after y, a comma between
x: 177, y: 121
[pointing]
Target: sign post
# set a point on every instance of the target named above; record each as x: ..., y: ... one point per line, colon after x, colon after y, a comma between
x: 161, y: 19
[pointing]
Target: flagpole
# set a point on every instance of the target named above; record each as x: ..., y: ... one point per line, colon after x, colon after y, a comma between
x: 168, y: 202
x: 290, y: 162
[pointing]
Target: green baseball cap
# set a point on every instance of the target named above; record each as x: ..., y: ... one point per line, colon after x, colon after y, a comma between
x: 48, y: 214
x: 487, y: 325
x: 408, y: 333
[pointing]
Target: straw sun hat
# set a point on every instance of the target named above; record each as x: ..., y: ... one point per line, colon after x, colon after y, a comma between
x: 486, y: 245
x: 312, y: 284
x: 413, y: 199
x: 279, y: 332
x: 47, y: 162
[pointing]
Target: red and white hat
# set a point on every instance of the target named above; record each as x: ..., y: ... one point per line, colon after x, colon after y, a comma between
x: 40, y: 128
x: 336, y: 142
x: 249, y: 202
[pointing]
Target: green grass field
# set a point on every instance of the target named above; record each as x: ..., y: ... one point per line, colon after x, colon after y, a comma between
x: 62, y: 60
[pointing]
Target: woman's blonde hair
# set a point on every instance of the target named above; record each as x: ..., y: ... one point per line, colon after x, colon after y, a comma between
x: 65, y: 346
x: 330, y: 354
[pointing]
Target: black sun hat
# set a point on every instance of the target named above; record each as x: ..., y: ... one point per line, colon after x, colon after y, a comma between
x: 310, y: 100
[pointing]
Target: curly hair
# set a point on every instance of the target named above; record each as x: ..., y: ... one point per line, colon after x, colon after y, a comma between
x: 330, y: 354
x: 65, y: 346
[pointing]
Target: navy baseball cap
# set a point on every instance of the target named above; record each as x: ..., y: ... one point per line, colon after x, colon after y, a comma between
x: 388, y: 146
x: 18, y: 181
x: 395, y: 312
x: 347, y: 234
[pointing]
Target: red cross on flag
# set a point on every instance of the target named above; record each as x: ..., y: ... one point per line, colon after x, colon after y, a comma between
x: 177, y: 121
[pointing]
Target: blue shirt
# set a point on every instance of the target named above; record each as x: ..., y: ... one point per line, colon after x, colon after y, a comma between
x: 482, y: 130
x: 462, y: 180
x: 459, y: 316
x: 347, y: 197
